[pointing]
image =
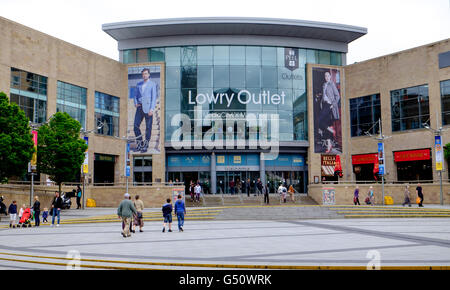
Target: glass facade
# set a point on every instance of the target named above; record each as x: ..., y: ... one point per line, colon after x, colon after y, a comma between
x: 107, y: 113
x: 29, y: 91
x: 364, y: 115
x: 445, y: 101
x: 235, y: 81
x: 410, y: 108
x: 72, y: 100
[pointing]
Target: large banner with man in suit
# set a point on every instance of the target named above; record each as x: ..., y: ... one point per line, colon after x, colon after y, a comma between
x: 144, y: 108
x: 326, y: 84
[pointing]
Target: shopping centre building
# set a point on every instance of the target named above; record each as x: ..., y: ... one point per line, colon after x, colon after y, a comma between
x: 236, y: 99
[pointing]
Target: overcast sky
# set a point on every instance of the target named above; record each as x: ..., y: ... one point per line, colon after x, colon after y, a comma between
x: 393, y: 25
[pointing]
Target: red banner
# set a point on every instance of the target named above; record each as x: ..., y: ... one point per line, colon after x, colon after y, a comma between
x: 364, y: 158
x: 412, y: 155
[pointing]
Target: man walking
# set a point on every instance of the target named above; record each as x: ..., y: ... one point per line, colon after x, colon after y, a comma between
x: 265, y: 191
x: 180, y: 211
x: 125, y: 212
x: 145, y: 102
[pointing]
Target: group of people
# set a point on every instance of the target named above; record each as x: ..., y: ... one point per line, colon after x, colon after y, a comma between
x: 370, y: 199
x: 283, y: 191
x: 27, y: 214
x: 131, y: 214
x: 195, y: 190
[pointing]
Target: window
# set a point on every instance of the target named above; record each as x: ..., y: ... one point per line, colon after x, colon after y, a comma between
x: 364, y: 115
x: 410, y: 108
x: 142, y: 170
x: 29, y: 92
x: 107, y: 109
x: 129, y: 56
x: 72, y: 100
x: 445, y: 102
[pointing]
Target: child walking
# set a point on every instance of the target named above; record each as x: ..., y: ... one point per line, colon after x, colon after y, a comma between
x: 167, y: 214
x: 45, y: 215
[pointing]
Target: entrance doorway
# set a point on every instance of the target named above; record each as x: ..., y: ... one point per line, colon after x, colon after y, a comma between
x: 234, y: 182
x: 104, y: 169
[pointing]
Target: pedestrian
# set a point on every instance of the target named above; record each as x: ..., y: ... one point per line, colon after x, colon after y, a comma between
x: 79, y: 193
x: 192, y: 191
x: 420, y: 194
x: 282, y: 192
x: 56, y: 208
x: 198, y: 191
x: 37, y: 211
x: 232, y: 186
x: 259, y: 187
x: 45, y: 215
x: 291, y: 192
x: 12, y: 210
x: 371, y: 196
x: 356, y: 196
x: 125, y: 211
x: 167, y: 215
x: 407, y: 196
x: 139, y: 205
x: 22, y: 209
x: 265, y: 190
x: 3, y: 206
x: 180, y: 211
x: 248, y: 186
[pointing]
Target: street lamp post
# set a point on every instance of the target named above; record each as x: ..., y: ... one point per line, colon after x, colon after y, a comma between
x: 127, y: 160
x: 85, y: 166
x: 438, y: 138
x: 381, y: 139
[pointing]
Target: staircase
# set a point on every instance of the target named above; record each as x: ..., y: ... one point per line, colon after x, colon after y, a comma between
x: 212, y: 200
x: 365, y: 211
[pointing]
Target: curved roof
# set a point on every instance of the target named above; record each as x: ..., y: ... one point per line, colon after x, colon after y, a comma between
x: 233, y: 26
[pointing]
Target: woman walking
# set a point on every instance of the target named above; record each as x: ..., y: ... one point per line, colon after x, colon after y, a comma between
x: 292, y: 193
x: 37, y: 211
x: 371, y: 196
x: 139, y: 205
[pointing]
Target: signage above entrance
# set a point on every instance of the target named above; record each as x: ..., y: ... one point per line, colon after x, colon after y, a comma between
x: 412, y: 155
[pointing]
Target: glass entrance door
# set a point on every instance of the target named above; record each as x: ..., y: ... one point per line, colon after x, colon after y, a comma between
x: 234, y: 182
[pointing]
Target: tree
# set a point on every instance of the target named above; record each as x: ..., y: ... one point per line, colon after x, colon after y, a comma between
x: 447, y: 151
x: 60, y: 148
x: 16, y: 141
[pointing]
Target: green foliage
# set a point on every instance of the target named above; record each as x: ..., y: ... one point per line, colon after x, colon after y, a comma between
x: 447, y: 151
x: 16, y: 141
x: 60, y: 148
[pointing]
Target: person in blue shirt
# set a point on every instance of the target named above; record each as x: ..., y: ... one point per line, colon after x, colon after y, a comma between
x: 145, y: 102
x: 180, y: 210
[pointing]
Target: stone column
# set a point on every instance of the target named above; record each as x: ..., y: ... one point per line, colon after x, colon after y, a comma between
x: 262, y: 168
x: 213, y: 174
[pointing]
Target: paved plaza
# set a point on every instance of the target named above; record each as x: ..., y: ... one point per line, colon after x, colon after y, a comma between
x: 91, y: 239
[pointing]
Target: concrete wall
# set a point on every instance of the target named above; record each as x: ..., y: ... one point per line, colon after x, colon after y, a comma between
x: 344, y: 193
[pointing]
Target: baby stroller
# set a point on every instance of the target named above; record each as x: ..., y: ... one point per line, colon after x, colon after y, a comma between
x: 26, y: 218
